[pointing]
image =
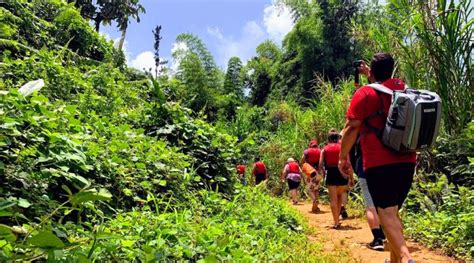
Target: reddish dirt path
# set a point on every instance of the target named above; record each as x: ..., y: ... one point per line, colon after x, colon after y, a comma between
x: 354, y: 235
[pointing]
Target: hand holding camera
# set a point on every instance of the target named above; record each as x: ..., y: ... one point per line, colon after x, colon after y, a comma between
x: 360, y: 67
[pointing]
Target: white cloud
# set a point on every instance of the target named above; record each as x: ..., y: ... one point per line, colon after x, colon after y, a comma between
x: 214, y: 31
x: 252, y: 34
x: 278, y: 22
x: 275, y: 24
x: 179, y: 48
x: 144, y: 60
x: 177, y: 51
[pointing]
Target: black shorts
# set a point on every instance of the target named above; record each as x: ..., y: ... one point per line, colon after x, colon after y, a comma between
x: 292, y: 184
x: 334, y: 177
x: 389, y: 184
x: 259, y: 178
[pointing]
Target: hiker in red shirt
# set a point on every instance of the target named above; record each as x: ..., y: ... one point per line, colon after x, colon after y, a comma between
x: 292, y: 173
x: 240, y: 169
x: 345, y: 194
x: 389, y: 174
x: 259, y: 171
x: 310, y: 167
x: 336, y: 182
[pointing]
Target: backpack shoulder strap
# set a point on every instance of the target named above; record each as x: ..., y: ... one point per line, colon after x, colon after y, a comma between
x: 381, y: 88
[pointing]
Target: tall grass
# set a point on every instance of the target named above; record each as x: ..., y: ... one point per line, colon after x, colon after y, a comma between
x: 284, y: 129
x: 433, y: 42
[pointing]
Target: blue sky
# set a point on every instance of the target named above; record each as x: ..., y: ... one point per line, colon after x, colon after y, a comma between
x: 227, y: 27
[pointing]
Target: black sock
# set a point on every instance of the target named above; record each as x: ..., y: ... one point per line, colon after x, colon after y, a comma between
x: 382, y: 234
x: 378, y: 233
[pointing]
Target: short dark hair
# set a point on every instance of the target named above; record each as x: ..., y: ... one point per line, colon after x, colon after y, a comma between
x: 381, y: 66
x: 333, y: 136
x: 257, y: 158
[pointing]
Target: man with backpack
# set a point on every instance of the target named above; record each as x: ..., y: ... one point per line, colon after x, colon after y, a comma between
x: 259, y: 171
x: 389, y: 173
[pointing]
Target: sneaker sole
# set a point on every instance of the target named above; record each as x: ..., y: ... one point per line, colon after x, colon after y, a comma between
x: 378, y: 248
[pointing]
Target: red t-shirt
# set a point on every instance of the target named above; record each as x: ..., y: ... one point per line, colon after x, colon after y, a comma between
x: 260, y: 168
x: 312, y: 155
x: 241, y: 169
x: 293, y: 168
x: 331, y: 154
x: 365, y: 102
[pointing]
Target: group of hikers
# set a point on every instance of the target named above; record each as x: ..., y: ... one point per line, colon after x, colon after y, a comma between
x: 384, y: 175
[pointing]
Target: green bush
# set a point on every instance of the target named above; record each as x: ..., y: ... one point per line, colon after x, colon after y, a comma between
x: 251, y: 226
x: 439, y: 215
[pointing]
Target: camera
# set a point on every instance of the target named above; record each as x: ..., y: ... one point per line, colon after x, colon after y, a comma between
x: 356, y: 65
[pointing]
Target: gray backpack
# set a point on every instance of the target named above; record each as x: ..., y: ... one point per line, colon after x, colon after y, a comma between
x: 413, y: 119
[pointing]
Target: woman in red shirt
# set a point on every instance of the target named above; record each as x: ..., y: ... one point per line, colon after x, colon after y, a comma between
x: 292, y: 173
x: 336, y: 182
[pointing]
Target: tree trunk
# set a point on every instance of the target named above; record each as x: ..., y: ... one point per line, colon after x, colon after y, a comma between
x: 122, y: 38
x: 157, y: 64
x: 98, y: 19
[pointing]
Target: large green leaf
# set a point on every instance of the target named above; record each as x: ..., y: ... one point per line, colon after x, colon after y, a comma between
x: 6, y: 204
x: 6, y: 233
x: 46, y: 240
x: 90, y: 195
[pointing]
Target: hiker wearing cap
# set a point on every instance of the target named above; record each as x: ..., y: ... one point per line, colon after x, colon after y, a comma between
x: 292, y: 173
x: 259, y: 171
x: 336, y: 182
x: 240, y: 169
x: 389, y: 173
x: 310, y: 167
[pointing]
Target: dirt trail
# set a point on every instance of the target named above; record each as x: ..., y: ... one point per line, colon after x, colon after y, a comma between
x: 354, y: 235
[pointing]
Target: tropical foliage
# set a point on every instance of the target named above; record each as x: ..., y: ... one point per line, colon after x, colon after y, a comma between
x: 110, y: 163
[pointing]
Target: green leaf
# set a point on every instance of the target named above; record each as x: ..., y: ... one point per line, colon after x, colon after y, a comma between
x: 6, y: 233
x: 5, y: 213
x: 66, y: 188
x: 82, y: 259
x: 23, y: 203
x: 162, y: 182
x: 211, y: 259
x: 81, y: 181
x: 46, y: 240
x: 127, y: 243
x: 127, y: 192
x: 90, y: 195
x: 140, y: 165
x: 6, y: 204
